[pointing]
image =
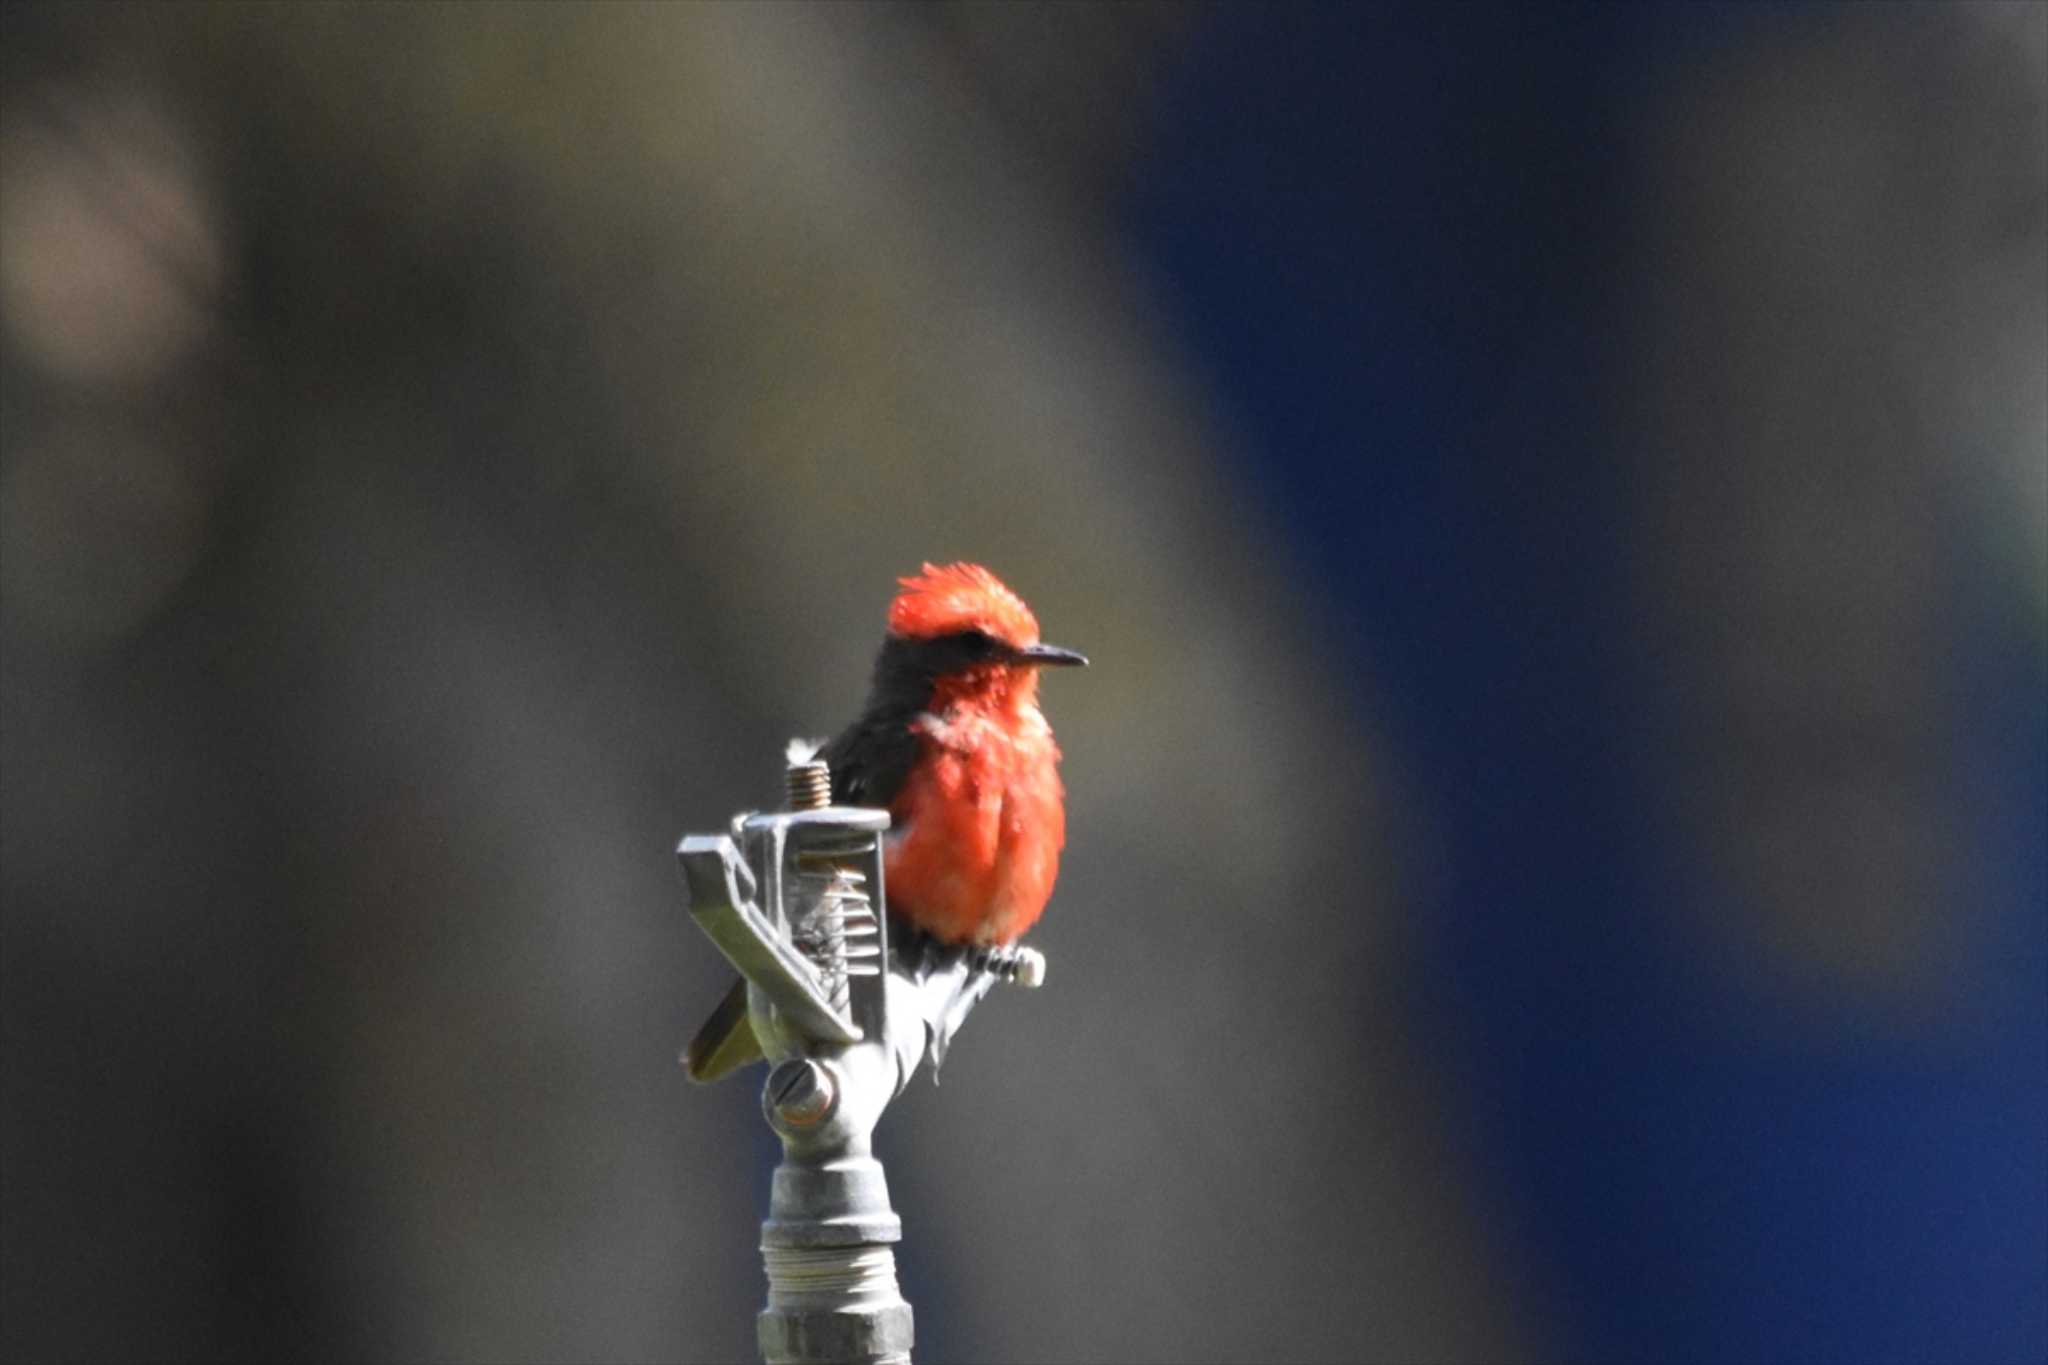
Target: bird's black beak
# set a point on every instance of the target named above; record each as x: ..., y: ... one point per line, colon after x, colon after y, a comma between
x: 1052, y: 656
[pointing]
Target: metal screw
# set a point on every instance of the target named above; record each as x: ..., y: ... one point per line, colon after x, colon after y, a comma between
x: 800, y: 1093
x: 810, y: 786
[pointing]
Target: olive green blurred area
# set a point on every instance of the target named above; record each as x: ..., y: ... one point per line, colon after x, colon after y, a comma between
x: 448, y: 450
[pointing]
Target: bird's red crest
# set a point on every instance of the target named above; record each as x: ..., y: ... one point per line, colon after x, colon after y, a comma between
x: 956, y: 597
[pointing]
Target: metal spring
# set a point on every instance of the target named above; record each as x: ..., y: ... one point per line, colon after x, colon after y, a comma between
x: 841, y: 935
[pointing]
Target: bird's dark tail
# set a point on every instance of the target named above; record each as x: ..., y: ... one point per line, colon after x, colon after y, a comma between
x: 726, y: 1042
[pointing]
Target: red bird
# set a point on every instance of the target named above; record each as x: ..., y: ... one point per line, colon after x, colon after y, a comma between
x: 952, y: 742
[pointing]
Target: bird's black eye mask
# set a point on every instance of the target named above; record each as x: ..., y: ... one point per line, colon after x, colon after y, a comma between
x: 975, y: 645
x: 907, y: 668
x: 945, y: 654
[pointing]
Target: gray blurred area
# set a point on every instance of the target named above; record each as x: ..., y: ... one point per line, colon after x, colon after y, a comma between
x: 447, y: 452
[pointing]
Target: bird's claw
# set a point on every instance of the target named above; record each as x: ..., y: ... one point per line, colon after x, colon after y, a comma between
x: 1013, y: 964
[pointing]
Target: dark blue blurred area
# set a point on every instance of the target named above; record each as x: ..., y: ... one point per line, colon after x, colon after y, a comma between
x: 1390, y: 238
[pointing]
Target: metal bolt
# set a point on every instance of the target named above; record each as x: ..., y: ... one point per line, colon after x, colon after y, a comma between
x: 800, y: 1093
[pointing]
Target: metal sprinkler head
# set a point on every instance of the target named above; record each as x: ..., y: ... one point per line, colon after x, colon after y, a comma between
x: 796, y: 899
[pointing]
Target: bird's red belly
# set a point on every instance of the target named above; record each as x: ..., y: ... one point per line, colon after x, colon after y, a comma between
x: 976, y: 845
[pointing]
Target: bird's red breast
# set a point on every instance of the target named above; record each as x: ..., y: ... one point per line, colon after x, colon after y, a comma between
x: 980, y: 819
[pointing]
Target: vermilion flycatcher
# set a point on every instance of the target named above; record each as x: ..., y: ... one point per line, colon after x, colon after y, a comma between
x: 952, y: 742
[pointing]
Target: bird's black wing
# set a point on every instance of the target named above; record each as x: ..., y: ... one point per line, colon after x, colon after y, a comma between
x: 870, y: 759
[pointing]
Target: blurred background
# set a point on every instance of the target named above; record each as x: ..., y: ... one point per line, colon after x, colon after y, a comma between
x: 1557, y: 499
